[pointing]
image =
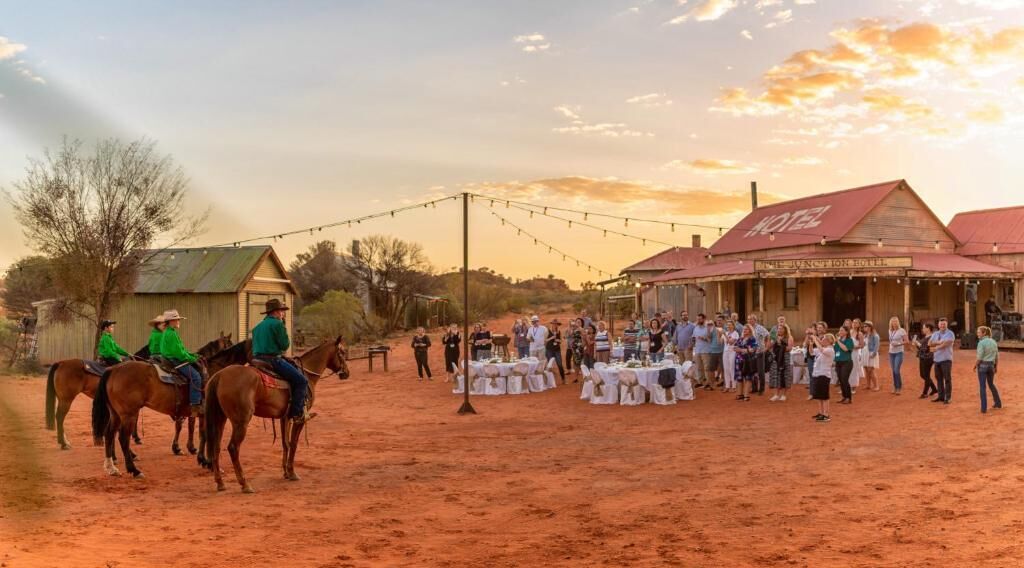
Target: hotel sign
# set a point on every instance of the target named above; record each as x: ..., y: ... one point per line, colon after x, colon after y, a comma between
x: 867, y: 263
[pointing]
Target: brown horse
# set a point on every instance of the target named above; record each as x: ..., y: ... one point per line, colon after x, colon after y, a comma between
x: 125, y: 389
x: 68, y: 378
x: 237, y: 393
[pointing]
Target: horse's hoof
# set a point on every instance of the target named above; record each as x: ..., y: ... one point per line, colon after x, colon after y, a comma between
x: 292, y: 476
x: 248, y: 489
x: 65, y: 446
x: 139, y: 475
x: 138, y: 441
x: 221, y: 487
x: 192, y: 451
x: 176, y: 450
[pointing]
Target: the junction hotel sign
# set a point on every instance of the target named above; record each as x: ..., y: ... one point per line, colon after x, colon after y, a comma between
x: 867, y: 263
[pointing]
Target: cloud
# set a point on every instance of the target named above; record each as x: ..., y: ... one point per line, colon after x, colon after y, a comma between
x: 706, y: 11
x: 28, y: 74
x: 532, y: 43
x: 529, y: 38
x: 517, y: 80
x: 712, y: 167
x: 989, y: 113
x: 803, y: 161
x: 569, y: 111
x: 780, y: 18
x: 876, y: 129
x: 9, y: 49
x: 579, y: 126
x: 747, y: 34
x: 993, y: 4
x: 650, y: 100
x: 683, y: 201
x: 804, y: 2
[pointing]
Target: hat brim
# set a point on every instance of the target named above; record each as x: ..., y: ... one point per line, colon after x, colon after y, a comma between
x: 281, y: 309
x: 179, y: 318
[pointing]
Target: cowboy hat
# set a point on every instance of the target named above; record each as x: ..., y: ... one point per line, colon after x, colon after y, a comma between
x: 157, y: 319
x: 534, y: 318
x: 274, y: 305
x: 554, y: 322
x: 172, y: 315
x: 105, y: 323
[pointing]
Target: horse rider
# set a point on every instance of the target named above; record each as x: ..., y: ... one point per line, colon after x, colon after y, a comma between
x: 172, y: 349
x: 156, y: 335
x: 269, y: 343
x: 109, y: 351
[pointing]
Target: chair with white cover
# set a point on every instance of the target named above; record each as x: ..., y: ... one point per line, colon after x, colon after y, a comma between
x: 494, y: 383
x: 549, y: 374
x: 630, y: 391
x: 588, y: 383
x: 684, y: 386
x: 477, y: 382
x: 517, y: 382
x: 460, y: 380
x: 671, y: 358
x: 661, y: 395
x: 600, y: 365
x: 605, y: 392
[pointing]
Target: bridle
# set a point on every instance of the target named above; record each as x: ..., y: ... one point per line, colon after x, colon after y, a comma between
x: 320, y: 375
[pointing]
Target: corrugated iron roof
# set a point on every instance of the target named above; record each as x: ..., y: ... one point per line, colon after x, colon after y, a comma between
x: 209, y: 271
x: 804, y: 221
x: 726, y: 268
x: 977, y: 231
x: 675, y: 258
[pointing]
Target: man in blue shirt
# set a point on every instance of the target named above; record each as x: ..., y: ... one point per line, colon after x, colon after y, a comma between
x: 763, y: 338
x: 683, y: 337
x: 702, y: 351
x: 941, y: 345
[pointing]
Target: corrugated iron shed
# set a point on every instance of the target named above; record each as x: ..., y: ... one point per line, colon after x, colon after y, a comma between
x: 209, y: 271
x: 977, y: 231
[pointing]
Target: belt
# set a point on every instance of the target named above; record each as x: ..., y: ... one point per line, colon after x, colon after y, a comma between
x: 267, y: 356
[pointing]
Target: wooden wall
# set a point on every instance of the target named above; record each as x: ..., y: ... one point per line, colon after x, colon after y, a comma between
x: 257, y: 292
x: 902, y: 221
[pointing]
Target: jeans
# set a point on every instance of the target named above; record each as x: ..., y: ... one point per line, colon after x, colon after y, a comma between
x: 926, y: 376
x: 195, y: 381
x: 987, y: 374
x: 944, y: 379
x: 896, y: 361
x: 523, y: 351
x: 422, y: 364
x: 557, y: 356
x: 298, y: 381
x: 759, y: 380
x: 843, y: 369
x: 568, y: 358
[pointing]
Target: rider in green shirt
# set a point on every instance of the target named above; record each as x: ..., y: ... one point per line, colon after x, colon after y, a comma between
x: 156, y: 335
x: 172, y: 349
x: 109, y: 351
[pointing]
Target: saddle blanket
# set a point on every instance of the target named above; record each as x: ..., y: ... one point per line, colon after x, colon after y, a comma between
x: 270, y: 380
x: 95, y: 367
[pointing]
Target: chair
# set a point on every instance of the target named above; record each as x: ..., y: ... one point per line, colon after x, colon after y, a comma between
x: 600, y: 365
x: 460, y: 380
x: 549, y: 374
x: 588, y: 383
x: 604, y: 393
x: 477, y: 382
x: 517, y: 382
x: 684, y: 386
x: 661, y: 395
x: 630, y: 391
x: 535, y: 381
x: 494, y: 383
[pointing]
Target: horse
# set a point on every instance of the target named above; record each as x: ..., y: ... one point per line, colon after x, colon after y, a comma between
x: 237, y: 354
x: 237, y: 393
x: 68, y: 378
x: 125, y: 389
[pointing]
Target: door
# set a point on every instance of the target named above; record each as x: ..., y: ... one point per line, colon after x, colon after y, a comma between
x: 843, y: 298
x: 740, y: 305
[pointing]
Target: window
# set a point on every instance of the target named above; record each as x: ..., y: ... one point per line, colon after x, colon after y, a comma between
x: 755, y: 289
x: 790, y: 296
x: 919, y: 294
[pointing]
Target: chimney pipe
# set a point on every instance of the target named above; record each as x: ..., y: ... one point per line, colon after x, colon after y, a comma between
x: 753, y: 195
x: 696, y: 241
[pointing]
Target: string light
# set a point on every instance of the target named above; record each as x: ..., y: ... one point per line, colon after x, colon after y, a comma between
x: 879, y: 243
x: 822, y: 241
x: 551, y: 249
x: 673, y: 227
x: 719, y: 231
x: 995, y: 247
x: 936, y: 245
x: 771, y: 236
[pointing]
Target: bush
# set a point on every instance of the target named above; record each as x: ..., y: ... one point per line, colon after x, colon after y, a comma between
x: 338, y: 313
x: 28, y: 366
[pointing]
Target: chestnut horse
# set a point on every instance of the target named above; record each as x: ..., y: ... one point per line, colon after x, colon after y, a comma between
x: 237, y: 393
x: 125, y: 389
x: 68, y: 378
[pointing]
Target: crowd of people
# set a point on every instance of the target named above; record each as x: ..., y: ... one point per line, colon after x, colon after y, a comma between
x: 747, y: 359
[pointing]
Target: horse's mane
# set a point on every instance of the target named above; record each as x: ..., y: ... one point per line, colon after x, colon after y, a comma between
x: 210, y: 349
x: 238, y: 352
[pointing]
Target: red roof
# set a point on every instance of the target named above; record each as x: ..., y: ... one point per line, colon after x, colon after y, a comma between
x: 978, y: 230
x: 804, y: 221
x: 922, y: 262
x: 675, y: 258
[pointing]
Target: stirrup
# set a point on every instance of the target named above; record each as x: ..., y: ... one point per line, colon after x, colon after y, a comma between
x: 306, y: 417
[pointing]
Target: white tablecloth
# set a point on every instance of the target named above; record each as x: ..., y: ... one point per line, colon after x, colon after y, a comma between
x: 505, y: 368
x: 646, y: 376
x: 618, y: 351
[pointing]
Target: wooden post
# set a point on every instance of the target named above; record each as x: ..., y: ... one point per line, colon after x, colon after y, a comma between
x: 686, y: 297
x: 466, y: 407
x: 718, y: 307
x: 760, y: 299
x: 906, y: 302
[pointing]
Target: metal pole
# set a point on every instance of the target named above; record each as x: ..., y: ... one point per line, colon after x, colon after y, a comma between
x: 466, y: 407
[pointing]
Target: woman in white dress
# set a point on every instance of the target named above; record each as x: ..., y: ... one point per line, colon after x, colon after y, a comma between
x: 858, y: 354
x: 729, y: 357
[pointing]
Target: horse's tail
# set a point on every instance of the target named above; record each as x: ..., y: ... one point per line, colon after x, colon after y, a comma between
x: 100, y: 409
x: 51, y: 398
x: 215, y: 419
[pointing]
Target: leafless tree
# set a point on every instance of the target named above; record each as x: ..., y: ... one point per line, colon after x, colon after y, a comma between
x: 28, y: 280
x: 319, y: 270
x: 391, y: 271
x: 96, y: 213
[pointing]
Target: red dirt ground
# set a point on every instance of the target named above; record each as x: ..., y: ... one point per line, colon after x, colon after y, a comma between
x: 392, y: 476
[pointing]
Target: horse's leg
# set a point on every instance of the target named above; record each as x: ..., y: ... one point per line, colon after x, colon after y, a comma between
x: 217, y: 432
x: 284, y: 444
x: 135, y: 429
x: 290, y: 474
x: 124, y: 436
x: 191, y: 434
x: 63, y: 406
x: 238, y: 428
x: 108, y: 446
x: 175, y: 448
x: 201, y: 455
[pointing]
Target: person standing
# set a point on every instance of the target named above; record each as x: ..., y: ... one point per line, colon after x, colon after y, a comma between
x: 992, y: 310
x: 762, y: 335
x: 872, y: 342
x: 520, y: 336
x: 602, y: 344
x: 702, y: 351
x: 821, y: 374
x: 683, y: 337
x: 859, y: 341
x: 587, y: 320
x: 108, y: 350
x: 474, y: 347
x: 657, y: 342
x: 897, y: 343
x: 630, y: 338
x: 537, y: 335
x: 729, y: 356
x: 941, y: 346
x: 589, y: 345
x: 420, y: 347
x: 482, y: 340
x: 173, y: 349
x: 570, y: 343
x: 553, y: 347
x: 452, y: 345
x: 717, y: 350
x: 782, y: 376
x: 577, y: 347
x: 746, y: 365
x: 844, y: 363
x: 926, y: 360
x: 985, y: 365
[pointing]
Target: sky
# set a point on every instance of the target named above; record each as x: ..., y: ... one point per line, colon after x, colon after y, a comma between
x: 287, y: 115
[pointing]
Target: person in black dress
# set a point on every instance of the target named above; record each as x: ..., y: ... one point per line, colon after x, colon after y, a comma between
x: 420, y: 345
x: 452, y: 344
x: 553, y: 346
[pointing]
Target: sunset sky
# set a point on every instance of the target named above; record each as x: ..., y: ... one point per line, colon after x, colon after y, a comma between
x: 289, y: 114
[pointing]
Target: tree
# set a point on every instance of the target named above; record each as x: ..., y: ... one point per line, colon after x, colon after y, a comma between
x: 392, y: 271
x: 95, y: 214
x: 28, y: 280
x: 338, y: 313
x: 319, y: 270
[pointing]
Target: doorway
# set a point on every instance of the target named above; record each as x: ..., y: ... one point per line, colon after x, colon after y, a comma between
x: 843, y: 298
x: 740, y: 305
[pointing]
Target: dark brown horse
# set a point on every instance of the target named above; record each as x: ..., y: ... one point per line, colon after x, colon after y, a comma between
x: 125, y: 389
x: 237, y: 393
x: 68, y: 378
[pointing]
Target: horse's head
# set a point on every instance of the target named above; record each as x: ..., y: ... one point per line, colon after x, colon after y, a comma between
x: 224, y: 341
x: 339, y: 360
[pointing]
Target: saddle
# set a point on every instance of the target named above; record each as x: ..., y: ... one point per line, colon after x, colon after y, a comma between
x: 270, y: 378
x: 95, y: 367
x: 167, y: 373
